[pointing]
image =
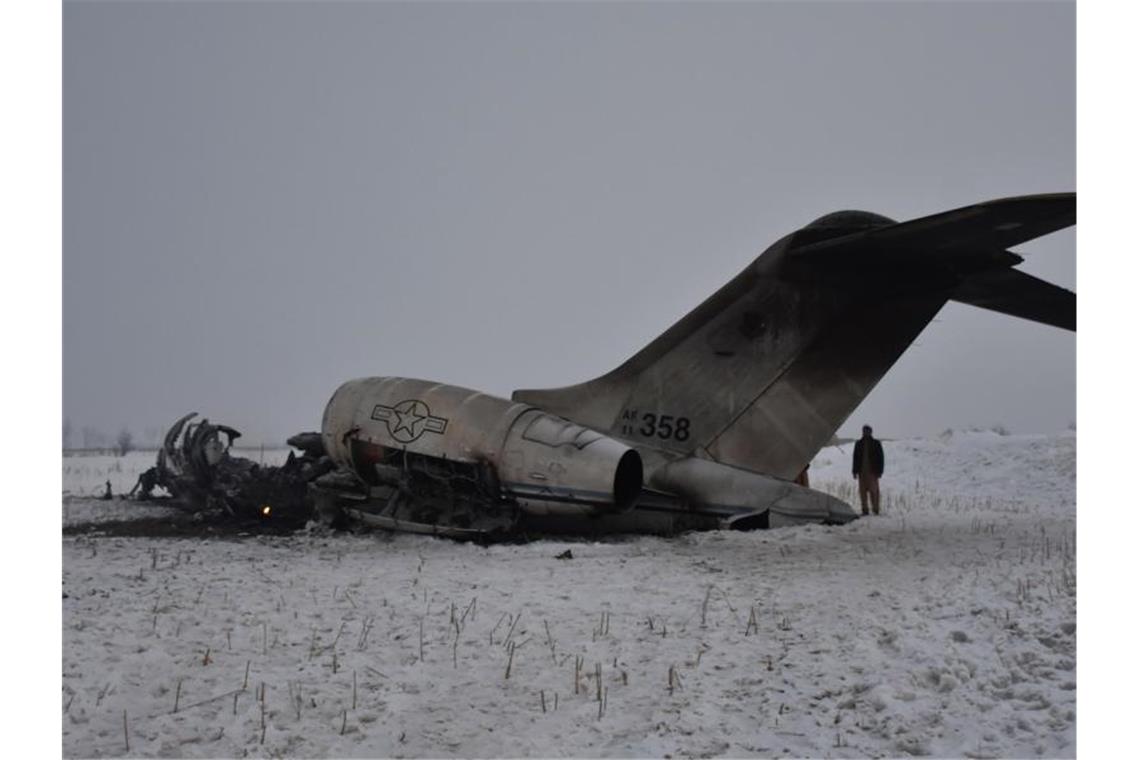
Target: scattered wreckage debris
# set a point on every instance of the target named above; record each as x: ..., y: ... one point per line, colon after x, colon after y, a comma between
x: 198, y: 472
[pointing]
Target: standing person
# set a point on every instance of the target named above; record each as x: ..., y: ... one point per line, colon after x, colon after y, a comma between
x: 867, y: 466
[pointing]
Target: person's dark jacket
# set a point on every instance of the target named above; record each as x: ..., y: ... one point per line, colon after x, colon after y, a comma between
x: 876, y: 457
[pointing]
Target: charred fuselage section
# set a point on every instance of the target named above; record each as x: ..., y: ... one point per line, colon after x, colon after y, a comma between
x: 198, y: 472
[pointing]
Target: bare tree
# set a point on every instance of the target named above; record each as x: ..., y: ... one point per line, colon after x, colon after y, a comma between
x: 66, y: 433
x: 124, y: 441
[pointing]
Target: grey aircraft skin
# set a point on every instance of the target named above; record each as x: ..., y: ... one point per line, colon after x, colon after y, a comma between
x: 706, y: 426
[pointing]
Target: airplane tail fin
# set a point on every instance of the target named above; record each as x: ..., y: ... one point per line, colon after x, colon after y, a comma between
x: 1018, y: 294
x: 762, y: 374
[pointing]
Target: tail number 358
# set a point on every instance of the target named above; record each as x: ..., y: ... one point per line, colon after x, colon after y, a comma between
x: 665, y: 427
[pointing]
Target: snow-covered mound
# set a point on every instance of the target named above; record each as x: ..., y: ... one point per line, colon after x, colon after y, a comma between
x: 1034, y: 472
x: 944, y: 627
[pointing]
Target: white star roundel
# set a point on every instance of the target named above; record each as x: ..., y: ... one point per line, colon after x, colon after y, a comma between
x: 408, y: 420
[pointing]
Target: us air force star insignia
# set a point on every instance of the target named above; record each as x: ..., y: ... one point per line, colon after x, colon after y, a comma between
x: 408, y: 420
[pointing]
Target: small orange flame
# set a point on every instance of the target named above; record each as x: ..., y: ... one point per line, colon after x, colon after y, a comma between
x: 265, y: 511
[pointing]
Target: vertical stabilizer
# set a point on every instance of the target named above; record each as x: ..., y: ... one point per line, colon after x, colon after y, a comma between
x: 762, y: 374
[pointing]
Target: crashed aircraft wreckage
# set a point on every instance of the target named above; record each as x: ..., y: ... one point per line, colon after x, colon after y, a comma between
x: 705, y: 427
x: 198, y: 472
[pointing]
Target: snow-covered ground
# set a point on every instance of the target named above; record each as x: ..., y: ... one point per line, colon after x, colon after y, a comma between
x: 944, y: 627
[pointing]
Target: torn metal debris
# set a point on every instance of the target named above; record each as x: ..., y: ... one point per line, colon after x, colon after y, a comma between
x: 198, y: 472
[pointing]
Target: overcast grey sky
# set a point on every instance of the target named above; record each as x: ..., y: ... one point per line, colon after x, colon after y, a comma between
x: 263, y: 200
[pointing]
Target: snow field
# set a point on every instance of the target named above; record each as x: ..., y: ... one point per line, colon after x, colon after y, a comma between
x: 944, y: 627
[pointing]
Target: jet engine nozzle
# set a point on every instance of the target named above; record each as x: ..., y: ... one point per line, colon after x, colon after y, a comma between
x: 553, y: 466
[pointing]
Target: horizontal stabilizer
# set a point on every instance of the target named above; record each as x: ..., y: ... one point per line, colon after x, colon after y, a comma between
x: 1018, y: 294
x: 989, y: 227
